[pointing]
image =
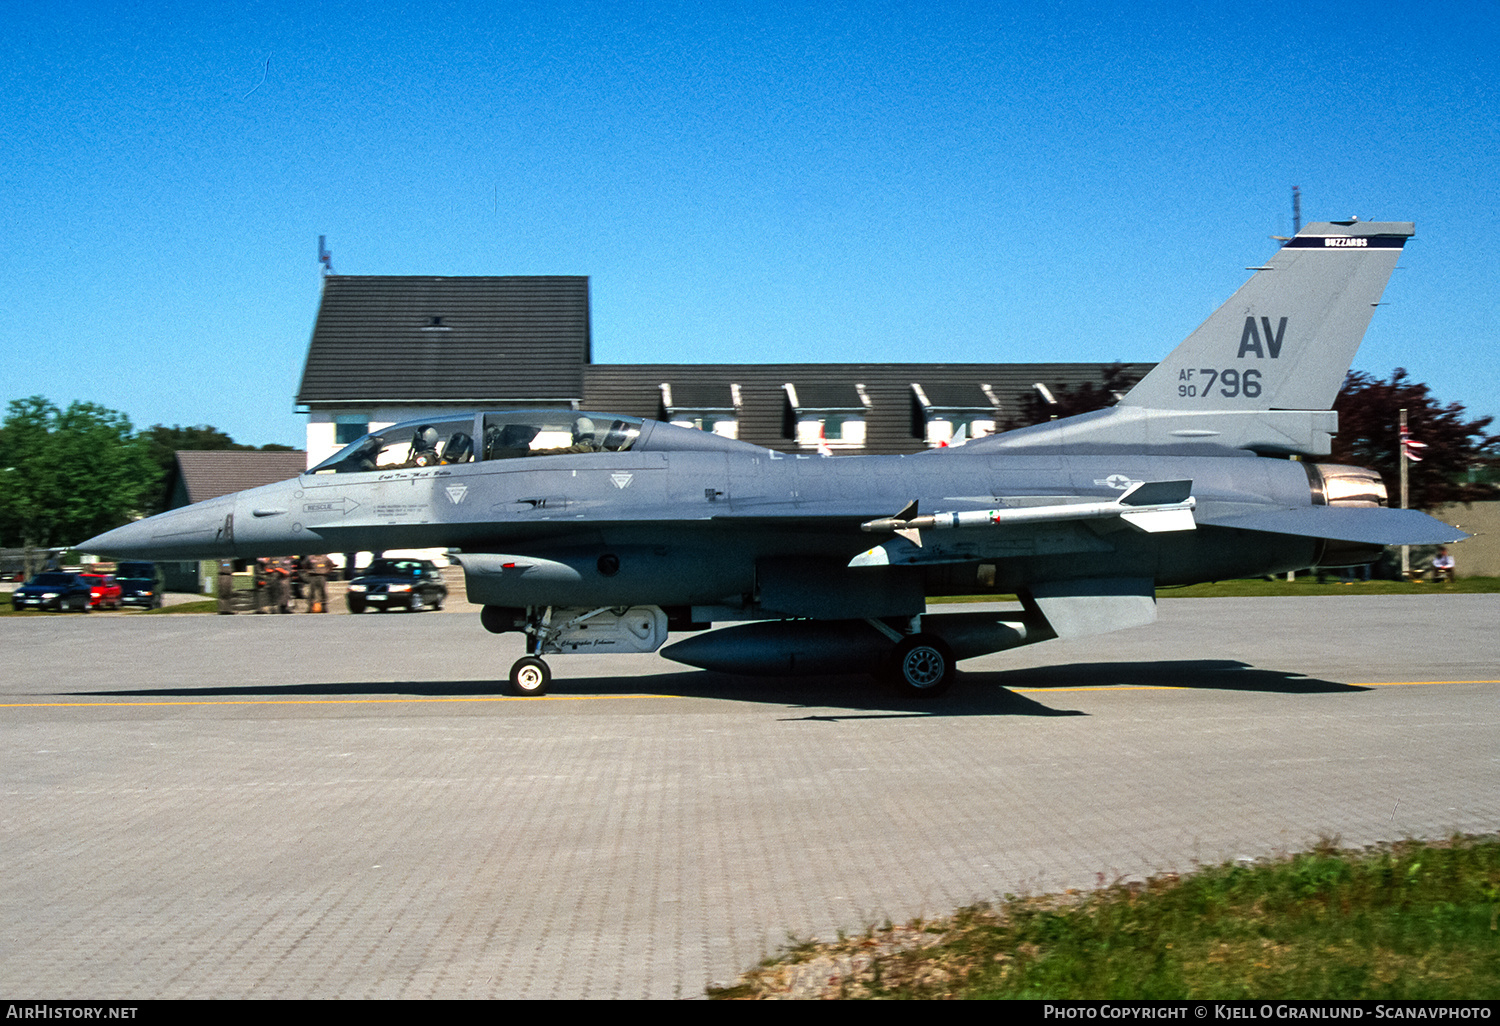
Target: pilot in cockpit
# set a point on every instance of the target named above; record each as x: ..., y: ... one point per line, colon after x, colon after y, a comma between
x: 583, y: 436
x: 424, y: 443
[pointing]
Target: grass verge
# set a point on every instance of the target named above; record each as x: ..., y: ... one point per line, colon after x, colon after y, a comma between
x: 1282, y: 588
x: 1309, y: 585
x: 1411, y: 920
x: 205, y: 606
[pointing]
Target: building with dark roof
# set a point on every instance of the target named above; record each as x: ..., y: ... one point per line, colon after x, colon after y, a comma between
x: 864, y: 407
x: 386, y: 349
x: 208, y: 474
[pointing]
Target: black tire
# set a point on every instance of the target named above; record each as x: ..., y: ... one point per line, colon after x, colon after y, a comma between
x: 356, y: 606
x: 529, y: 676
x: 416, y: 605
x: 921, y: 666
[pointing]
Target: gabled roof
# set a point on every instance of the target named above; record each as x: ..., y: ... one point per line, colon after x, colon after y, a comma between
x: 209, y: 474
x: 698, y: 395
x: 893, y: 420
x: 944, y: 394
x: 817, y: 393
x: 384, y: 338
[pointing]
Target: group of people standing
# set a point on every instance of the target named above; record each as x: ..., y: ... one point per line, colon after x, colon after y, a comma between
x: 276, y: 580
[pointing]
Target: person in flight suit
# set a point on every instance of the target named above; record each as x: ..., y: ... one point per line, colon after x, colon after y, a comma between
x: 263, y: 597
x: 315, y: 570
x: 281, y: 588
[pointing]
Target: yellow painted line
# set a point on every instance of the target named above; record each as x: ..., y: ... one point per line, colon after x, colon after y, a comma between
x: 1101, y: 687
x: 1189, y: 687
x: 587, y: 698
x: 1417, y: 683
x: 322, y: 701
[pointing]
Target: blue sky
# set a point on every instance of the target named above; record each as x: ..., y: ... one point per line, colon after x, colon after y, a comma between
x: 742, y: 182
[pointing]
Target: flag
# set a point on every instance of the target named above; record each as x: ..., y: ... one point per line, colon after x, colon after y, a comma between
x: 1410, y: 447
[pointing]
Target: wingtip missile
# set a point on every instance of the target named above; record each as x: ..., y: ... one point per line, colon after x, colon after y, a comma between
x: 1152, y: 506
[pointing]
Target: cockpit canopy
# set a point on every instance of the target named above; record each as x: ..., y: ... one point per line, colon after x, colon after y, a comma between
x: 432, y: 443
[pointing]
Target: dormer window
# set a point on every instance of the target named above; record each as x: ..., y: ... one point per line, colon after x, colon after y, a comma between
x: 702, y: 407
x: 951, y: 414
x: 820, y: 415
x: 436, y: 324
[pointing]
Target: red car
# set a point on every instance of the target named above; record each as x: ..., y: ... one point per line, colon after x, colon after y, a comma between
x: 103, y: 591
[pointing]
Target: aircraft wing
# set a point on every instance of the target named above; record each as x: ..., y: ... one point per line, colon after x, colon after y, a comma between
x: 1368, y: 525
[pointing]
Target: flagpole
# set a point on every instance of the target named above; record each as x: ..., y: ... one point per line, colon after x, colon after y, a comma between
x: 1401, y: 459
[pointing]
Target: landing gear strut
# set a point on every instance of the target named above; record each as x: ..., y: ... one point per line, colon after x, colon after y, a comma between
x: 558, y: 630
x: 529, y: 675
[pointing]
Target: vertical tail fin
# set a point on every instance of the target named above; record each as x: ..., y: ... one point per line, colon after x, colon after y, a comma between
x: 1286, y: 339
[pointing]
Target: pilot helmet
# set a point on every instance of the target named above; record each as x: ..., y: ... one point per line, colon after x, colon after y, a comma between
x: 425, y: 439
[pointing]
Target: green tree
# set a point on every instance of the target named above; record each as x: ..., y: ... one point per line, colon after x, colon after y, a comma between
x: 1118, y: 379
x: 1369, y: 412
x: 68, y: 474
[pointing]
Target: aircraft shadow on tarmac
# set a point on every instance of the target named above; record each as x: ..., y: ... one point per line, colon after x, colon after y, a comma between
x: 979, y: 693
x: 1193, y: 674
x: 854, y: 692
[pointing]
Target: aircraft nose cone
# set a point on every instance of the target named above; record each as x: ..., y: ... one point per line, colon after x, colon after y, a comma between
x: 193, y: 532
x: 124, y: 542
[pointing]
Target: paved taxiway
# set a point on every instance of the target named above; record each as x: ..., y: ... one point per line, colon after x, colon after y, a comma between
x: 306, y: 806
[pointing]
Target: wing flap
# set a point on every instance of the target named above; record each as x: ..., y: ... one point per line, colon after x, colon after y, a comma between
x: 1369, y: 525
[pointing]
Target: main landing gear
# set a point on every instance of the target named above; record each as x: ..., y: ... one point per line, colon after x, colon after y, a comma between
x: 921, y: 665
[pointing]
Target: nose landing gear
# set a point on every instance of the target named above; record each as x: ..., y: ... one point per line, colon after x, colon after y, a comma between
x: 558, y: 630
x: 529, y: 676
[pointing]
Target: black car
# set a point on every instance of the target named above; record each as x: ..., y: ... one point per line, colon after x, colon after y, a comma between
x: 413, y: 584
x: 140, y: 585
x: 53, y: 591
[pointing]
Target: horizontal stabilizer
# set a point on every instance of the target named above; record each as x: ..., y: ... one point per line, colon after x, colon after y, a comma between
x: 1077, y: 609
x: 1369, y: 525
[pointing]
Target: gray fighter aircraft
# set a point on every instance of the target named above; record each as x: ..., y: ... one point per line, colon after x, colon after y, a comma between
x: 591, y: 532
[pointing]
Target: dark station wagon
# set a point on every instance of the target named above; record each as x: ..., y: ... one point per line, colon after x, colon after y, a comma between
x: 140, y: 585
x: 412, y: 584
x: 54, y: 591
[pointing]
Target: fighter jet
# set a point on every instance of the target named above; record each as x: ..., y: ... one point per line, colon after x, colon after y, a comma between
x: 591, y: 532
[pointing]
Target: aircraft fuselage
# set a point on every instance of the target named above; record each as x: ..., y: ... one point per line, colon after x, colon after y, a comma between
x: 689, y: 528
